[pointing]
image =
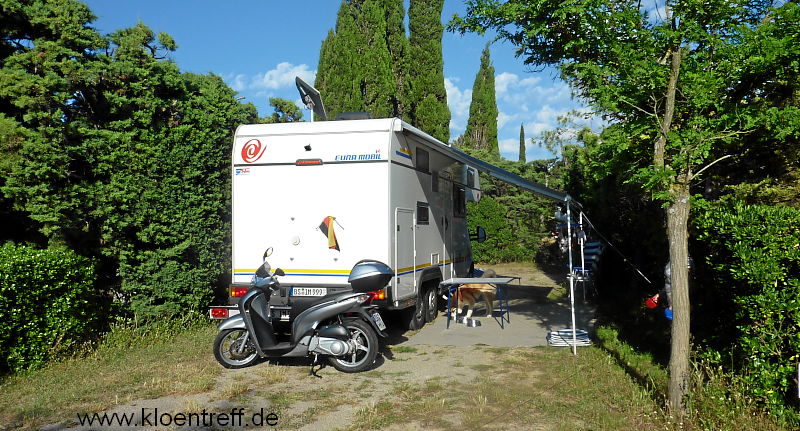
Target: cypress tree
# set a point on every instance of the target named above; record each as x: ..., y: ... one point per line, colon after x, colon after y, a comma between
x: 428, y: 98
x: 481, y: 130
x: 355, y: 67
x: 522, y: 144
x: 376, y: 82
x: 398, y: 46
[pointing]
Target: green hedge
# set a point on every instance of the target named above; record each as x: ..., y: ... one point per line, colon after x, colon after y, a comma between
x: 750, y: 289
x: 502, y: 244
x: 48, y: 304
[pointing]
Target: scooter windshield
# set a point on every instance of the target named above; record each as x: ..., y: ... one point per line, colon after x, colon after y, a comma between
x: 262, y: 275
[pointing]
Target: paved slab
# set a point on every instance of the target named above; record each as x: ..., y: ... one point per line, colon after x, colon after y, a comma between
x: 532, y: 316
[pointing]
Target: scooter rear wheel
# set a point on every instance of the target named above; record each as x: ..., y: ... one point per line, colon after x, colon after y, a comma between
x: 366, y: 341
x: 226, y: 347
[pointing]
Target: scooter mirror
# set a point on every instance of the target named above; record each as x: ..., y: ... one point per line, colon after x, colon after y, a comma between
x: 267, y: 253
x: 279, y: 272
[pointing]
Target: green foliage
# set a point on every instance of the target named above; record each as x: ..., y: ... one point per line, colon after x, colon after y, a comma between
x: 285, y: 111
x: 501, y: 244
x: 355, y: 71
x: 48, y: 304
x: 751, y: 297
x: 684, y: 90
x: 368, y: 64
x: 516, y: 221
x: 399, y: 49
x: 481, y: 132
x: 427, y: 97
x: 121, y: 156
x: 521, y: 157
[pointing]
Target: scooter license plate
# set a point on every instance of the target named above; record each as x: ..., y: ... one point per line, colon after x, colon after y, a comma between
x: 376, y: 317
x: 308, y: 291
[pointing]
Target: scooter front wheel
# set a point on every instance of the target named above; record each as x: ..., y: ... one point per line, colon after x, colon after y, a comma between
x: 233, y: 349
x: 363, y: 337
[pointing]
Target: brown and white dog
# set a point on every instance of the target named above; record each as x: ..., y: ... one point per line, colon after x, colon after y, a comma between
x: 470, y: 293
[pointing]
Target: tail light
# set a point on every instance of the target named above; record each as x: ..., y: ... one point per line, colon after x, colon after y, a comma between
x: 376, y: 295
x: 238, y: 291
x: 219, y: 313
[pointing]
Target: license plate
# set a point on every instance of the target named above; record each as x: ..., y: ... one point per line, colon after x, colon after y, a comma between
x: 376, y: 317
x: 308, y: 291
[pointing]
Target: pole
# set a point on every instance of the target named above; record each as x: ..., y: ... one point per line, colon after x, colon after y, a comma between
x: 582, y: 242
x: 571, y: 282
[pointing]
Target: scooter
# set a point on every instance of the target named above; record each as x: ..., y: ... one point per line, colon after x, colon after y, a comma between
x: 343, y: 327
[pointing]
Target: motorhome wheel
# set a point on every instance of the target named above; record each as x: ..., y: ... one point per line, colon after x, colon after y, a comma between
x: 414, y: 317
x: 431, y: 304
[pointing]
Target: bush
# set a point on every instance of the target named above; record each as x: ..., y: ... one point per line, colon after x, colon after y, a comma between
x: 751, y: 290
x: 48, y: 304
x: 502, y: 244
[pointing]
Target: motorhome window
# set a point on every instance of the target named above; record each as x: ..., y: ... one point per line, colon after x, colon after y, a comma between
x: 459, y: 201
x: 423, y: 160
x: 471, y: 178
x: 423, y: 216
x: 435, y: 181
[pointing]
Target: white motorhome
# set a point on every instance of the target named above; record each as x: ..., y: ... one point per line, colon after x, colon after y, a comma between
x: 325, y: 195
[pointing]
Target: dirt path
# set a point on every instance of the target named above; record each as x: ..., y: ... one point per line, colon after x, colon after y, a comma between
x: 330, y: 400
x: 414, y: 385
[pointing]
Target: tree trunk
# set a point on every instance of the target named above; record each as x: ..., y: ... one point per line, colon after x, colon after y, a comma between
x: 677, y: 234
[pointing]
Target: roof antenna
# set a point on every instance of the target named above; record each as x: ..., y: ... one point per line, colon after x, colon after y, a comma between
x: 311, y: 98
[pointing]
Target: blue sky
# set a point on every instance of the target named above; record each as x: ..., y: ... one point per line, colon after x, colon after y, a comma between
x: 258, y: 47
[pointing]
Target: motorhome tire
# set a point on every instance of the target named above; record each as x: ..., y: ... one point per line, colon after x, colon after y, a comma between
x: 362, y: 334
x: 224, y: 345
x: 431, y: 304
x: 414, y: 317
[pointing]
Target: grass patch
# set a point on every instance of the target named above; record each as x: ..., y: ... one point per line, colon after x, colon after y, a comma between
x: 483, y: 367
x: 376, y: 415
x: 716, y: 402
x: 403, y: 349
x: 545, y: 387
x: 234, y: 391
x: 133, y: 361
x: 281, y: 401
x: 270, y: 374
x: 571, y: 392
x: 638, y: 365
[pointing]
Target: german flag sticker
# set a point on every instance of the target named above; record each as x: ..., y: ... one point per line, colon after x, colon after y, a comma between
x: 327, y: 229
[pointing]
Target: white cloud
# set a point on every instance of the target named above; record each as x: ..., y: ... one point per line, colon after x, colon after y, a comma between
x: 458, y: 101
x: 509, y: 146
x: 238, y: 82
x: 503, y: 119
x: 536, y: 102
x: 512, y: 89
x: 282, y: 76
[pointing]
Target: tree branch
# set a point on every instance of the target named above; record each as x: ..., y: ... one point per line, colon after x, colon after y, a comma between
x: 697, y: 174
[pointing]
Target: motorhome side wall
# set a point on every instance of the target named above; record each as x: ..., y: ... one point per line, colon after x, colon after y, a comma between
x: 316, y: 193
x: 428, y: 211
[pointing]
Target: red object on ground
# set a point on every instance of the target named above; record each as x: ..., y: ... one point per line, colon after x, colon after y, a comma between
x: 651, y: 302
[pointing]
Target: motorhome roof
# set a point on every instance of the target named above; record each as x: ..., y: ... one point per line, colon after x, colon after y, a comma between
x: 398, y: 125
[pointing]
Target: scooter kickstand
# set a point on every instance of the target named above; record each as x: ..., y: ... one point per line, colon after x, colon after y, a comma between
x: 312, y: 372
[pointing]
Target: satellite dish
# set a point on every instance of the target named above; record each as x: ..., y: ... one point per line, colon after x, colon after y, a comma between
x: 311, y: 98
